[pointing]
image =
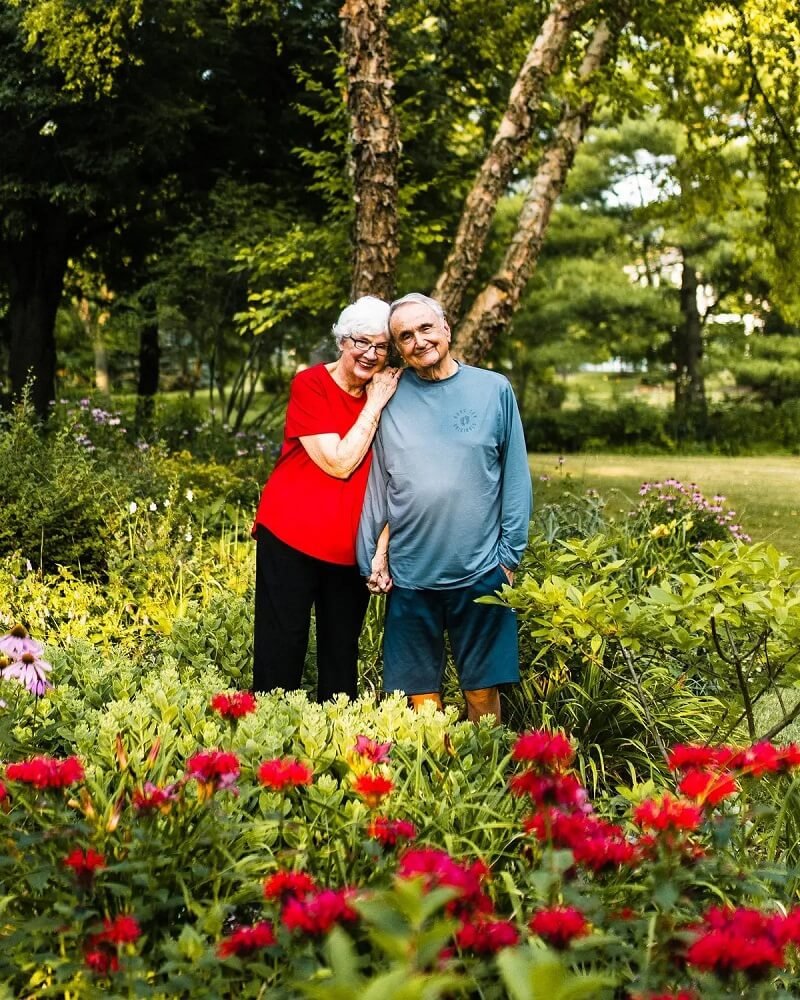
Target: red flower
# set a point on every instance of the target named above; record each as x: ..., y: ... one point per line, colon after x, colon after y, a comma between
x: 3, y: 792
x: 389, y: 831
x: 234, y: 706
x: 246, y: 940
x: 683, y: 757
x: 288, y: 885
x: 100, y: 953
x: 319, y: 911
x: 789, y: 929
x: 559, y: 925
x: 151, y: 797
x: 708, y: 787
x: 378, y: 753
x: 667, y: 813
x: 744, y: 939
x: 84, y: 864
x: 372, y: 788
x: 763, y: 758
x: 213, y: 770
x: 486, y: 936
x: 559, y: 789
x: 122, y: 929
x: 680, y: 995
x: 101, y: 960
x: 594, y: 843
x: 438, y: 868
x: 551, y: 751
x: 285, y: 772
x: 46, y: 772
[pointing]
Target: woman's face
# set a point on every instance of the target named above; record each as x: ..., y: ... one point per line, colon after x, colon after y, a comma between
x: 364, y: 354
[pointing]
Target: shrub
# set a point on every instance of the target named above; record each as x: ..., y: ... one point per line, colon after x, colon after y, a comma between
x: 54, y: 499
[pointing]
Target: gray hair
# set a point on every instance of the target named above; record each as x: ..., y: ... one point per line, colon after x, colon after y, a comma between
x: 368, y: 314
x: 420, y: 299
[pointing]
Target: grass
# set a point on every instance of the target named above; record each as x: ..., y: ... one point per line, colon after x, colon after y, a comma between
x: 763, y: 490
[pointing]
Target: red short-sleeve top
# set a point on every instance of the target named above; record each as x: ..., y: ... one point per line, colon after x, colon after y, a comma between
x: 305, y: 507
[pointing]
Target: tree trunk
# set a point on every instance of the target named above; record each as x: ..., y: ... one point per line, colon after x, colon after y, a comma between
x: 36, y: 267
x: 511, y: 141
x: 495, y: 305
x: 687, y: 356
x: 149, y: 371
x: 374, y: 146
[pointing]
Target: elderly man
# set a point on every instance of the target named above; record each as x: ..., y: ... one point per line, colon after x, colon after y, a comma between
x: 450, y: 478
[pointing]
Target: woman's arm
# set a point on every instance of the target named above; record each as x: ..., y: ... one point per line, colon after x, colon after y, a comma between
x: 341, y: 456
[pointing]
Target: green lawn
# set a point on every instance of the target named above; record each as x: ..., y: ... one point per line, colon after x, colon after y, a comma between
x: 764, y: 491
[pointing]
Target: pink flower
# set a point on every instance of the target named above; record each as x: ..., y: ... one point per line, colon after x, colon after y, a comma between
x: 150, y: 798
x: 21, y: 660
x: 372, y: 788
x: 17, y: 643
x: 559, y: 925
x: 213, y: 769
x: 286, y: 772
x: 234, y: 706
x: 46, y: 772
x: 378, y: 753
x: 245, y: 940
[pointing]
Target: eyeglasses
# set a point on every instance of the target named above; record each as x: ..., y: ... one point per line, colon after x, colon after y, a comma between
x: 364, y: 346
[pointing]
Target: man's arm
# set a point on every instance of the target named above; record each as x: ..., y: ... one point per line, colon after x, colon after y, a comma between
x: 380, y: 579
x: 374, y: 513
x: 516, y: 491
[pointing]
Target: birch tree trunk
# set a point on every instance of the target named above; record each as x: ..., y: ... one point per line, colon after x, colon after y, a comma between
x: 374, y: 145
x: 494, y: 306
x: 511, y: 141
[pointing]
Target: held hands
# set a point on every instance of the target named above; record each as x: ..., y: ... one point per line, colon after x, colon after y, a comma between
x: 381, y: 387
x: 380, y: 579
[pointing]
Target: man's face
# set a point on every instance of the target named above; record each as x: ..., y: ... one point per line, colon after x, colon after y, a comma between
x: 422, y: 339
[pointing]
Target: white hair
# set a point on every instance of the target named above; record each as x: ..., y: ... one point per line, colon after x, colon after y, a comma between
x: 368, y: 314
x: 419, y: 299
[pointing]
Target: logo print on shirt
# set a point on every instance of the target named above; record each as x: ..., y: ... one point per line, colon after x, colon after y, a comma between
x: 465, y: 420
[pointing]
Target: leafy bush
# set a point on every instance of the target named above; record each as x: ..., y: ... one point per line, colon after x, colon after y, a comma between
x: 54, y: 502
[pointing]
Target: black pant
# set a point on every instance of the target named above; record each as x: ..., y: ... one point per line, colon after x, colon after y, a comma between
x: 288, y: 584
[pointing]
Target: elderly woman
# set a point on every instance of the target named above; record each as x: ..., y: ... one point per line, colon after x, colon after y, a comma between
x: 307, y: 519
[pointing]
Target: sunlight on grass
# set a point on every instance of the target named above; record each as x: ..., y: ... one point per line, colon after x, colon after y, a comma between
x: 764, y: 490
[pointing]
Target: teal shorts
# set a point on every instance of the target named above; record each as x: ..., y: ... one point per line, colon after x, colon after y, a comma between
x: 483, y: 637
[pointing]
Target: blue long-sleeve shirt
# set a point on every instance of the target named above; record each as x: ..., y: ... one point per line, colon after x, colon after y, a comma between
x: 450, y: 476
